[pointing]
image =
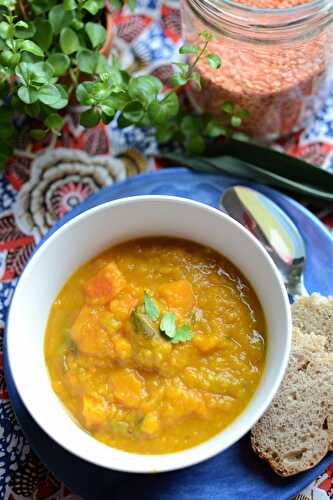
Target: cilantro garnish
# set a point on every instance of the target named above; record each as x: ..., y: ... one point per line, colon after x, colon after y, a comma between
x: 183, y: 333
x: 151, y: 308
x: 168, y: 324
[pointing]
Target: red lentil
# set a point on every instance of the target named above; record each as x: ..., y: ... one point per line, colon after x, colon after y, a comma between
x: 280, y: 83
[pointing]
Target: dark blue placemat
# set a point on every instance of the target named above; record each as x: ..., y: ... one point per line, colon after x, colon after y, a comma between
x: 236, y: 473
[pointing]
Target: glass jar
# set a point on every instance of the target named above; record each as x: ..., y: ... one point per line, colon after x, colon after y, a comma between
x: 276, y: 63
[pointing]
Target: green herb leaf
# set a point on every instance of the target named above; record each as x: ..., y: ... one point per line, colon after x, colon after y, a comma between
x: 178, y: 79
x: 168, y: 324
x: 188, y: 48
x: 228, y: 107
x: 84, y: 93
x: 25, y: 30
x: 165, y: 133
x: 90, y: 118
x: 21, y: 24
x: 59, y: 18
x: 27, y: 94
x: 213, y: 60
x: 142, y: 324
x: 182, y: 334
x: 96, y: 34
x: 6, y: 30
x: 44, y: 35
x: 195, y: 144
x: 69, y: 41
x: 133, y: 112
x: 144, y: 88
x: 236, y: 121
x: 8, y: 58
x: 69, y: 4
x: 161, y: 111
x: 53, y: 95
x: 32, y: 47
x: 60, y: 63
x: 54, y: 122
x: 91, y: 62
x: 38, y: 133
x: 151, y: 308
x: 93, y: 6
x: 190, y: 126
x: 214, y: 129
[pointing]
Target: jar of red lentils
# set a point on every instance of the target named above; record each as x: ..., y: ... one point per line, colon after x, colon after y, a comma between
x: 276, y: 60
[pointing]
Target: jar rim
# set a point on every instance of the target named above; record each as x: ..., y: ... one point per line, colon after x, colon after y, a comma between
x: 264, y: 25
x: 313, y: 4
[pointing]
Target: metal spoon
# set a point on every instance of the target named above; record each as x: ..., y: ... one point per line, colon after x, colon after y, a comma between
x: 273, y: 228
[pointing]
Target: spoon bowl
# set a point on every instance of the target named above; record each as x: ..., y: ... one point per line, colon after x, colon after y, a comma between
x: 273, y: 228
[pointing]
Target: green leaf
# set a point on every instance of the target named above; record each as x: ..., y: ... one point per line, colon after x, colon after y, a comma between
x: 195, y: 144
x: 116, y: 4
x: 59, y: 18
x: 60, y: 63
x: 228, y: 107
x: 168, y: 324
x: 90, y: 118
x: 96, y: 34
x: 93, y: 6
x: 53, y: 95
x: 190, y: 126
x: 213, y: 60
x: 77, y: 25
x: 32, y: 47
x: 214, y: 129
x: 6, y: 30
x: 188, y: 48
x: 182, y: 334
x: 54, y: 121
x: 25, y: 30
x: 236, y: 121
x: 131, y: 5
x: 84, y: 93
x: 108, y: 110
x: 27, y: 94
x: 133, y: 112
x: 69, y: 4
x: 8, y: 58
x: 44, y: 35
x: 161, y: 111
x: 165, y: 133
x: 144, y: 88
x: 38, y: 133
x: 91, y: 62
x: 178, y: 79
x: 69, y: 41
x: 151, y: 308
x: 21, y: 24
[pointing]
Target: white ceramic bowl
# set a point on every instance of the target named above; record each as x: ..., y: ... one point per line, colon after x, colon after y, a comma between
x: 86, y: 236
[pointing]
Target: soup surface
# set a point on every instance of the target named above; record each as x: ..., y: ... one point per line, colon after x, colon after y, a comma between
x: 155, y: 345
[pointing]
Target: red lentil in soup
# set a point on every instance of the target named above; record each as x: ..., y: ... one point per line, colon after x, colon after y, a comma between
x: 156, y: 345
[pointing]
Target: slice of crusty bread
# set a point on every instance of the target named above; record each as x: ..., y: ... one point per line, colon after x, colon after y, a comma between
x: 308, y: 342
x: 297, y: 430
x: 314, y: 315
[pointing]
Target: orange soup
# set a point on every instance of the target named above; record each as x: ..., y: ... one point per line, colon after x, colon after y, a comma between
x: 155, y: 345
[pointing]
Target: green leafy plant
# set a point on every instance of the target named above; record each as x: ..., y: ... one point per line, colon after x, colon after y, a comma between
x: 50, y: 56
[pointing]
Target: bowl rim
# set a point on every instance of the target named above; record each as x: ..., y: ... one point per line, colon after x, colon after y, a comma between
x: 134, y: 458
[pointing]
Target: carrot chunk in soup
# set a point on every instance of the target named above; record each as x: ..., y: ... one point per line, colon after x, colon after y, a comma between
x: 105, y: 285
x: 178, y: 295
x: 128, y: 387
x: 94, y: 410
x: 89, y: 335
